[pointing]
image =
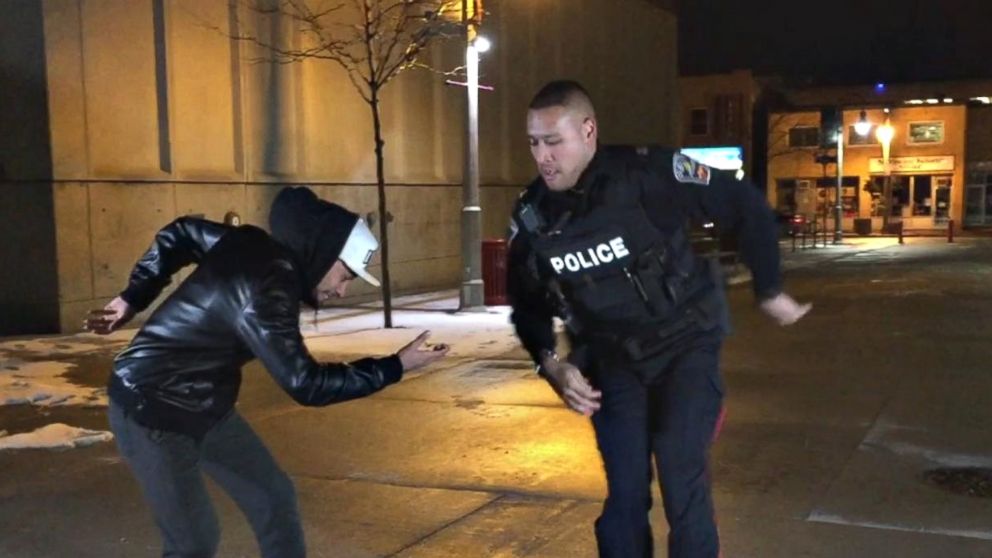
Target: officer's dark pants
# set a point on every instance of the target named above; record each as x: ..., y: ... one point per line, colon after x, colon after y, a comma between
x: 667, y: 408
x: 168, y: 467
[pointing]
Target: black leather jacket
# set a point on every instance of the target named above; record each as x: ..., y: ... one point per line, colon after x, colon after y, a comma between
x: 182, y: 370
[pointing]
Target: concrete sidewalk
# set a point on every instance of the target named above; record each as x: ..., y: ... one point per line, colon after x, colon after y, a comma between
x: 811, y: 256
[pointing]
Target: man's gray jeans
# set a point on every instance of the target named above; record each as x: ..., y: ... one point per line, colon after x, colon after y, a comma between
x: 168, y: 467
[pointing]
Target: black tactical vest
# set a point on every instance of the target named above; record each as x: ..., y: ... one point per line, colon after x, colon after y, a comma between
x: 616, y: 270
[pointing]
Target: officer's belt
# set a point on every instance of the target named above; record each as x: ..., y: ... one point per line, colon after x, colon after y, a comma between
x: 647, y: 340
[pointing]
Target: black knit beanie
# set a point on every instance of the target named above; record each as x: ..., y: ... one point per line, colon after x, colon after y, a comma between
x: 313, y: 229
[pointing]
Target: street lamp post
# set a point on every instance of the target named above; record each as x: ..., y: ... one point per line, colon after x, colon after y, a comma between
x: 472, y: 294
x: 861, y: 127
x: 884, y: 135
x: 839, y: 206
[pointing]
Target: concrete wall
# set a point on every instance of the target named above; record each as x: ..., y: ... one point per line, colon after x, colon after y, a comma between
x: 28, y: 284
x: 154, y: 113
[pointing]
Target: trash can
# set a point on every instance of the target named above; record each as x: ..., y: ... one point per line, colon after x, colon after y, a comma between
x: 862, y: 227
x: 494, y: 272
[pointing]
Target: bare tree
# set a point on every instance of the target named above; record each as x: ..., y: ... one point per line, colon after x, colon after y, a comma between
x: 373, y: 41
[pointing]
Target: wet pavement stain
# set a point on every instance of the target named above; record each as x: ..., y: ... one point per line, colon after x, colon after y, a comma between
x: 966, y: 481
x: 86, y: 369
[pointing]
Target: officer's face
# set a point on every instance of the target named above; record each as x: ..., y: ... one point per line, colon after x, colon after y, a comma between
x: 562, y: 142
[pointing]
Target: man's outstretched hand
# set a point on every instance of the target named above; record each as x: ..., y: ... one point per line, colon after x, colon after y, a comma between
x: 114, y: 315
x: 413, y: 357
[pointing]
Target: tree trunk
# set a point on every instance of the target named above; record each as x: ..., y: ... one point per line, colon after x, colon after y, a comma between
x: 387, y: 297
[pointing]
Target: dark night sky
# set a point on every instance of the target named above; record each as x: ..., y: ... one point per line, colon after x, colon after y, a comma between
x: 838, y: 41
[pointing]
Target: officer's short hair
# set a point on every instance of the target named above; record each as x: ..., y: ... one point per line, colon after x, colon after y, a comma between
x: 560, y: 93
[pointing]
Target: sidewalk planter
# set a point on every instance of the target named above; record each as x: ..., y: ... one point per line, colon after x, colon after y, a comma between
x: 862, y: 227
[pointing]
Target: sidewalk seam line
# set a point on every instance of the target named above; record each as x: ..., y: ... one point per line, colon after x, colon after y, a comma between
x: 446, y: 525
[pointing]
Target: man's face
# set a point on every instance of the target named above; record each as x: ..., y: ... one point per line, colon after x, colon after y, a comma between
x: 334, y: 284
x: 562, y: 143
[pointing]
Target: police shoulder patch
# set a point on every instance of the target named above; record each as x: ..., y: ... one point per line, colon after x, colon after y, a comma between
x: 690, y: 171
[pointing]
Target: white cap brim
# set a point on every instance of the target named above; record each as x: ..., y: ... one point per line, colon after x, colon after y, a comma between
x: 358, y: 250
x: 366, y: 276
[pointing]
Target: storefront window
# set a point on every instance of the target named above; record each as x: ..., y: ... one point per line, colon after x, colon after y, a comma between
x: 785, y: 197
x: 923, y: 196
x: 925, y: 133
x: 942, y: 197
x: 900, y: 195
x: 876, y: 186
x: 699, y: 122
x: 804, y: 136
x: 827, y: 188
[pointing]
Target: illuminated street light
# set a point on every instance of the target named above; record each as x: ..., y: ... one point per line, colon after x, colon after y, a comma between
x: 862, y: 127
x: 884, y: 135
x: 482, y: 44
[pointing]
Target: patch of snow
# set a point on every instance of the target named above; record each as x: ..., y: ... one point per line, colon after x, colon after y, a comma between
x: 54, y: 436
x: 43, y: 384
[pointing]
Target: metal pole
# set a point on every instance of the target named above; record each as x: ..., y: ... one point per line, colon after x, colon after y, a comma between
x: 471, y: 295
x: 887, y: 183
x: 839, y: 207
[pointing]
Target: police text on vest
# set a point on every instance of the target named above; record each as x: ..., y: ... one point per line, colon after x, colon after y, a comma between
x: 597, y: 256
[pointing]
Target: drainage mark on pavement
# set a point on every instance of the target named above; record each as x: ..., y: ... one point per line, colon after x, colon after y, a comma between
x: 966, y: 481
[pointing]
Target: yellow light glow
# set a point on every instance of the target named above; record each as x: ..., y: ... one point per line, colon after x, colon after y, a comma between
x: 482, y: 44
x: 885, y: 132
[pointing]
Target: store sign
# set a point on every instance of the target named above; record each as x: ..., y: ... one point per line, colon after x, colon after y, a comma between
x: 723, y: 158
x: 912, y: 164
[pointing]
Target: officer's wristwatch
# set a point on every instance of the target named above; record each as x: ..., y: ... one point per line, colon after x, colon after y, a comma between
x: 541, y: 356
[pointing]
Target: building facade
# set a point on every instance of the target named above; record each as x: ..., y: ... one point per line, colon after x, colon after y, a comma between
x: 719, y: 111
x: 931, y: 174
x: 924, y: 173
x: 117, y: 116
x: 936, y: 170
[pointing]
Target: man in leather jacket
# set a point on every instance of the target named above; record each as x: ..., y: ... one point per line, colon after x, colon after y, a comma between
x: 173, y: 389
x: 600, y: 240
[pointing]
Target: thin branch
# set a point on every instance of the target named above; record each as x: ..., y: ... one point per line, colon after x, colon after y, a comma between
x: 373, y: 78
x: 396, y: 35
x: 390, y: 37
x: 460, y: 71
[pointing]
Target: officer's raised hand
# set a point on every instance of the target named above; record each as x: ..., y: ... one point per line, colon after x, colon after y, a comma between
x: 571, y: 386
x: 784, y: 309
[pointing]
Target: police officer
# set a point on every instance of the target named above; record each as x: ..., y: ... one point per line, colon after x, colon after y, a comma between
x: 600, y: 240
